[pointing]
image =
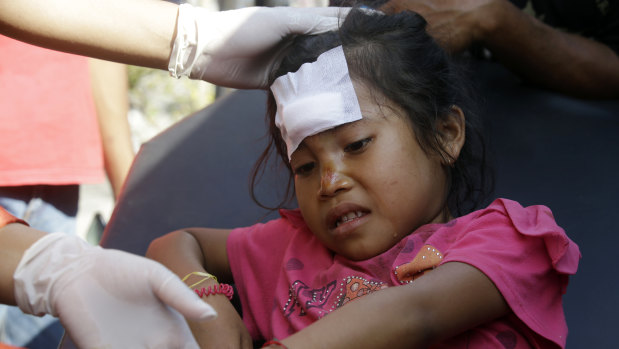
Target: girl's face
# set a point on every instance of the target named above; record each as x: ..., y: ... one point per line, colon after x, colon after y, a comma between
x: 365, y: 185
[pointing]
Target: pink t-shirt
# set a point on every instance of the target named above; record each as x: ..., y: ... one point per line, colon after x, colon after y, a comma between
x: 287, y: 279
x: 49, y: 132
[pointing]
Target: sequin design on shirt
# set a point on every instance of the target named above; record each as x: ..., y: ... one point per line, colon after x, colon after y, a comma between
x: 303, y: 299
x: 354, y: 287
x: 319, y: 301
x: 426, y: 260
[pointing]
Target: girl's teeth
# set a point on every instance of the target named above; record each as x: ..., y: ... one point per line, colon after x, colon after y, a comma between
x: 347, y: 217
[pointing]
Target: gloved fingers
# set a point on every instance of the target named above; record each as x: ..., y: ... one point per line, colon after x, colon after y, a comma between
x: 96, y: 318
x: 173, y: 292
x: 106, y: 298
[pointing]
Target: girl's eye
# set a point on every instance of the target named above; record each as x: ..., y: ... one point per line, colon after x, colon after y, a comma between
x: 304, y: 169
x: 358, y: 145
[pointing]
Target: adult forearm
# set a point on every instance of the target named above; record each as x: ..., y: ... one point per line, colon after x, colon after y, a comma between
x: 551, y: 58
x: 136, y: 32
x: 15, y: 239
x: 111, y: 95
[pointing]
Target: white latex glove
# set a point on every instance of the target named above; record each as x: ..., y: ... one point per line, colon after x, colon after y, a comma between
x: 237, y: 48
x: 106, y: 298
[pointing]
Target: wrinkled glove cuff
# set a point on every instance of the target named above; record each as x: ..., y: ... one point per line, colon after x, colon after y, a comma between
x: 45, y: 267
x: 187, y: 47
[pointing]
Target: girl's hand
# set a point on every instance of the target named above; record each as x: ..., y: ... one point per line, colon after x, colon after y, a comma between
x: 226, y: 331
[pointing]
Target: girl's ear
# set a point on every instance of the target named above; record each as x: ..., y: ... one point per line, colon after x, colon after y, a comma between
x: 452, y: 131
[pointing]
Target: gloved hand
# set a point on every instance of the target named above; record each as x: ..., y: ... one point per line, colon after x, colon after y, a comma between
x: 106, y: 298
x: 237, y: 48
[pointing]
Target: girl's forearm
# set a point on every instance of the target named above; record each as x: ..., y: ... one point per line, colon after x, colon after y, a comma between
x: 138, y: 32
x: 182, y: 253
x: 178, y: 251
x: 451, y: 299
x: 374, y: 321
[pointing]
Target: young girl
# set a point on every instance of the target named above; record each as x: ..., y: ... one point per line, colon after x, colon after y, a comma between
x: 370, y: 121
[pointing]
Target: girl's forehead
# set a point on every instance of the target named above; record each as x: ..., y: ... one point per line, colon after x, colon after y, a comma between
x: 369, y: 122
x: 375, y: 115
x: 317, y: 97
x: 335, y: 132
x: 350, y: 126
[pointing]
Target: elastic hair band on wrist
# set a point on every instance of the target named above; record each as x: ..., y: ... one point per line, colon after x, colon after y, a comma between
x: 199, y: 273
x: 274, y: 342
x: 224, y: 289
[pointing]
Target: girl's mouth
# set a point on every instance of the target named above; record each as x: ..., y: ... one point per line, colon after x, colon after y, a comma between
x: 347, y: 224
x: 344, y: 218
x: 348, y: 217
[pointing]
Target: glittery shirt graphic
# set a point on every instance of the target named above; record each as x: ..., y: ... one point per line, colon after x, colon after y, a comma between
x: 336, y: 293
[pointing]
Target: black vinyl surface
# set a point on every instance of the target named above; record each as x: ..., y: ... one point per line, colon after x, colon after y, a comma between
x: 195, y: 174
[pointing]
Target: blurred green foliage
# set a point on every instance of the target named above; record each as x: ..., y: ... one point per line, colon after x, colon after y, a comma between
x: 156, y: 95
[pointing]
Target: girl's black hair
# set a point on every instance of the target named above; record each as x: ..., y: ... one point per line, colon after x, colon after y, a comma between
x: 394, y: 56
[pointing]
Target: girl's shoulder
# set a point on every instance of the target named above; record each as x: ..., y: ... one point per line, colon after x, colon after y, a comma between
x: 275, y: 232
x: 506, y: 224
x: 289, y: 219
x: 525, y: 253
x: 512, y: 211
x: 501, y: 214
x: 292, y: 217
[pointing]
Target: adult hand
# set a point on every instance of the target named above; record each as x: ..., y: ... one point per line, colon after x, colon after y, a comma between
x: 237, y: 48
x: 455, y: 24
x: 106, y: 298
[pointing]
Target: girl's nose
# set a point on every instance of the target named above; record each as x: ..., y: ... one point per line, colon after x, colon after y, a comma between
x: 333, y: 182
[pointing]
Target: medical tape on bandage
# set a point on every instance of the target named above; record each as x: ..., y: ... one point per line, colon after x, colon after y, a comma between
x: 317, y: 97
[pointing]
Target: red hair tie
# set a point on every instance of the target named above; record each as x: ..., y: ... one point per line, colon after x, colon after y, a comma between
x: 224, y: 289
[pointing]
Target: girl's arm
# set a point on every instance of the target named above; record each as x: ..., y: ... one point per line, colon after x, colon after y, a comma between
x: 443, y: 303
x: 204, y: 250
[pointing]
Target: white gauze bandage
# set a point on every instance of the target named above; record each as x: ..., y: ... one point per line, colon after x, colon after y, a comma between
x: 317, y: 97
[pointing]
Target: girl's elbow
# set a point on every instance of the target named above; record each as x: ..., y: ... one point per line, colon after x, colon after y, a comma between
x: 160, y: 246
